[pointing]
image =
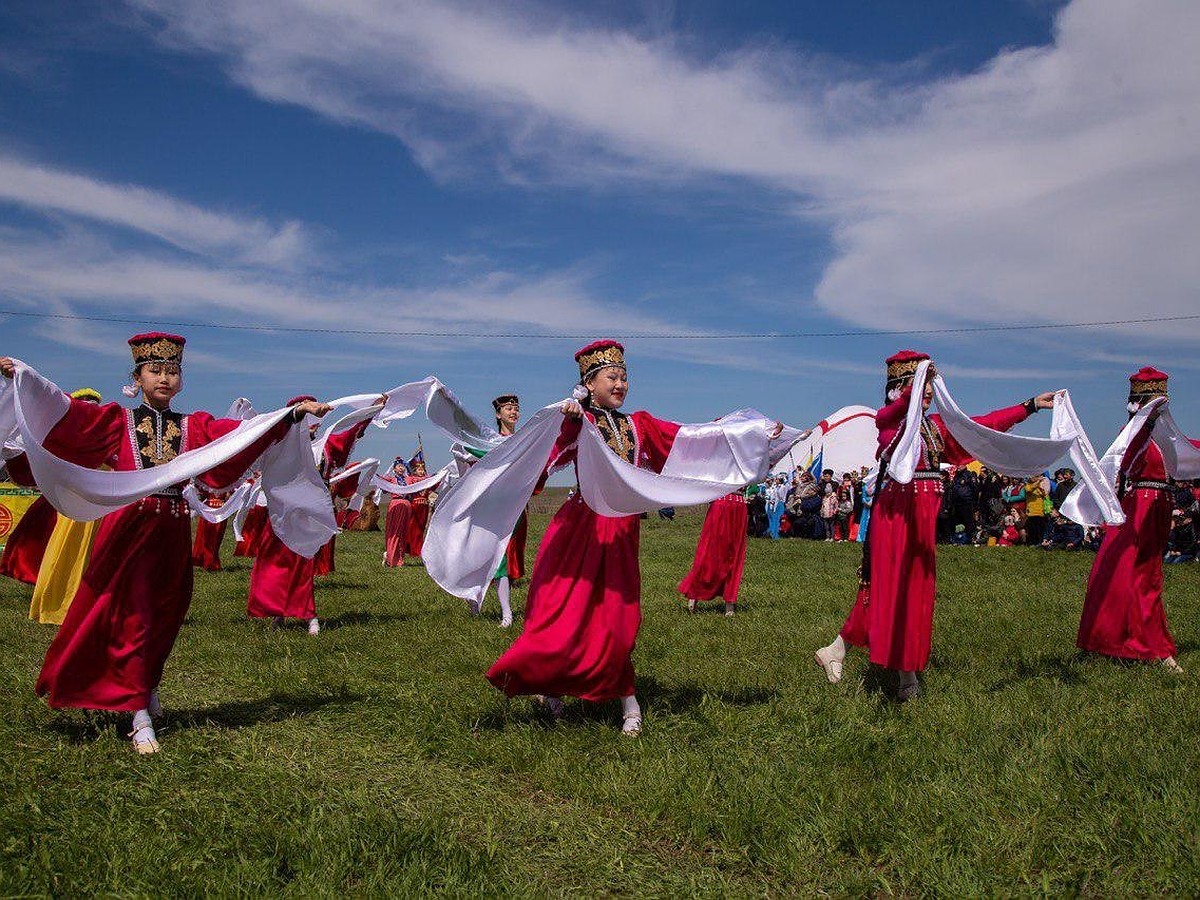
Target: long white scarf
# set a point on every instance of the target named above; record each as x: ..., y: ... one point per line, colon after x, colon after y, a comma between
x: 403, y: 490
x: 1010, y: 454
x: 216, y: 514
x: 470, y: 527
x: 301, y: 511
x: 365, y: 471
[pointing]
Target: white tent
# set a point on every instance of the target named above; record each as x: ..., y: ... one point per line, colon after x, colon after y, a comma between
x: 845, y: 440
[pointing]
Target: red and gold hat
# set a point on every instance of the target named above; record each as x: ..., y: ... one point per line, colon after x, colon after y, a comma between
x: 1146, y: 384
x: 599, y: 355
x: 302, y: 398
x: 902, y: 366
x: 505, y: 399
x: 156, y: 346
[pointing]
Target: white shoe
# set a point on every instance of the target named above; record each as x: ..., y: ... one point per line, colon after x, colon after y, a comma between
x: 729, y: 607
x: 506, y: 622
x: 691, y: 606
x: 314, y: 627
x: 631, y: 725
x: 1171, y: 665
x: 830, y: 659
x: 155, y: 706
x: 145, y: 741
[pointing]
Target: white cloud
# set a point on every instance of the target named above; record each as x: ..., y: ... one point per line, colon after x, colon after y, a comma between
x: 1055, y: 183
x: 185, y: 225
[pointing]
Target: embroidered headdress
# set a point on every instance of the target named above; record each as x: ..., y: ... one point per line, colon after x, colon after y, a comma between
x: 901, y: 367
x: 1146, y: 384
x: 599, y: 355
x: 505, y: 399
x: 87, y: 394
x: 156, y: 346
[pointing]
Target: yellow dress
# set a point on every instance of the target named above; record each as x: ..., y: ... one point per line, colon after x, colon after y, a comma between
x: 62, y: 568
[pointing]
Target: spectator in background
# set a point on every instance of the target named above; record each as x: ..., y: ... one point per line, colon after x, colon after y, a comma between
x: 964, y: 498
x: 829, y: 505
x: 845, y: 510
x: 1035, y: 510
x: 1061, y: 533
x: 1009, y: 535
x: 1064, y: 483
x: 1181, y: 542
x: 1013, y: 495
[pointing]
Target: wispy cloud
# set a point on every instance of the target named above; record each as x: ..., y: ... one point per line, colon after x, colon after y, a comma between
x: 184, y: 225
x: 1055, y: 183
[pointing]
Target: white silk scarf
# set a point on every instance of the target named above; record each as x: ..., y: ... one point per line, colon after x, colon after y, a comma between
x: 216, y: 514
x: 301, y: 511
x: 469, y: 530
x: 403, y: 490
x: 1095, y: 502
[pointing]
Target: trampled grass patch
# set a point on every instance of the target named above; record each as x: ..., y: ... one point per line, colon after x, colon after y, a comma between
x: 376, y: 759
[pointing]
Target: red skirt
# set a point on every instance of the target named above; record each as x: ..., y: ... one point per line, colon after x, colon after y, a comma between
x: 206, y: 548
x: 110, y: 651
x: 323, y: 561
x: 1123, y: 611
x: 281, y: 582
x: 416, y: 525
x: 583, y: 612
x: 515, y: 554
x: 27, y: 544
x: 252, y: 531
x: 720, y: 554
x: 399, y: 511
x: 893, y: 616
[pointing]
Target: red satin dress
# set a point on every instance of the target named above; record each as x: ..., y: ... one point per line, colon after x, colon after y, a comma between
x: 1123, y: 613
x: 721, y: 552
x: 110, y: 651
x: 252, y: 531
x: 584, y: 607
x: 26, y: 545
x: 281, y: 581
x: 206, y: 548
x: 418, y: 521
x: 893, y: 615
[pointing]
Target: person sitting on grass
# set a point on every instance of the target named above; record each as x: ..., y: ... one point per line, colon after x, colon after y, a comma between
x: 1062, y: 533
x: 1181, y: 543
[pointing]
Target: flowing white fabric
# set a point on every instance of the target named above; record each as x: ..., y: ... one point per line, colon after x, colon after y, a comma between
x: 216, y: 514
x: 304, y: 512
x: 366, y: 471
x: 468, y: 531
x: 254, y: 497
x: 403, y: 490
x: 1180, y: 456
x: 1011, y: 454
x: 470, y: 527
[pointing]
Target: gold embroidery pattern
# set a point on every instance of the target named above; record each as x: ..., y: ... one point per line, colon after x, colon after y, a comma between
x: 623, y: 440
x: 162, y: 349
x: 159, y: 438
x: 935, y: 446
x: 606, y: 356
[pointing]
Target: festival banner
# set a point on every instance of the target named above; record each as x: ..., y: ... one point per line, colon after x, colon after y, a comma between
x: 14, y: 501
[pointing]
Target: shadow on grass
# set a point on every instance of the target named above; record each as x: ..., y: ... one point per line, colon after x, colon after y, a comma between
x: 232, y: 715
x: 1062, y: 668
x: 355, y: 618
x: 653, y: 695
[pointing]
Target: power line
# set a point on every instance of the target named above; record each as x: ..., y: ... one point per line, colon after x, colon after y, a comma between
x: 646, y: 336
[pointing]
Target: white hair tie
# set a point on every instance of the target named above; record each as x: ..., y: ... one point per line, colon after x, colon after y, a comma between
x: 130, y: 390
x: 580, y: 393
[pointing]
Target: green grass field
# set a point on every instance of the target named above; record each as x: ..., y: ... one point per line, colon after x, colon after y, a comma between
x: 376, y: 759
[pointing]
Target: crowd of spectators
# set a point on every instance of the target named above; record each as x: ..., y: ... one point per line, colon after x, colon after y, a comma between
x: 979, y: 508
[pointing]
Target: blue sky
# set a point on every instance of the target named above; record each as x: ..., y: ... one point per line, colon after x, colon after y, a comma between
x: 605, y: 169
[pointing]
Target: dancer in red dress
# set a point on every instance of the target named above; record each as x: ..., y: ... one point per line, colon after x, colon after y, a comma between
x: 893, y: 613
x: 1123, y: 613
x: 206, y: 548
x: 508, y: 414
x: 281, y: 581
x: 720, y: 554
x: 110, y: 651
x: 26, y: 545
x: 399, y: 511
x: 418, y: 521
x: 584, y: 607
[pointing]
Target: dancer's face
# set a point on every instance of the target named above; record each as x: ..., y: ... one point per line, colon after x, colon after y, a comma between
x: 160, y: 382
x: 509, y: 414
x: 928, y: 398
x: 609, y: 387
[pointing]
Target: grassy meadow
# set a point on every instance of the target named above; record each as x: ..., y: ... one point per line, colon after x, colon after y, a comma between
x: 375, y: 759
